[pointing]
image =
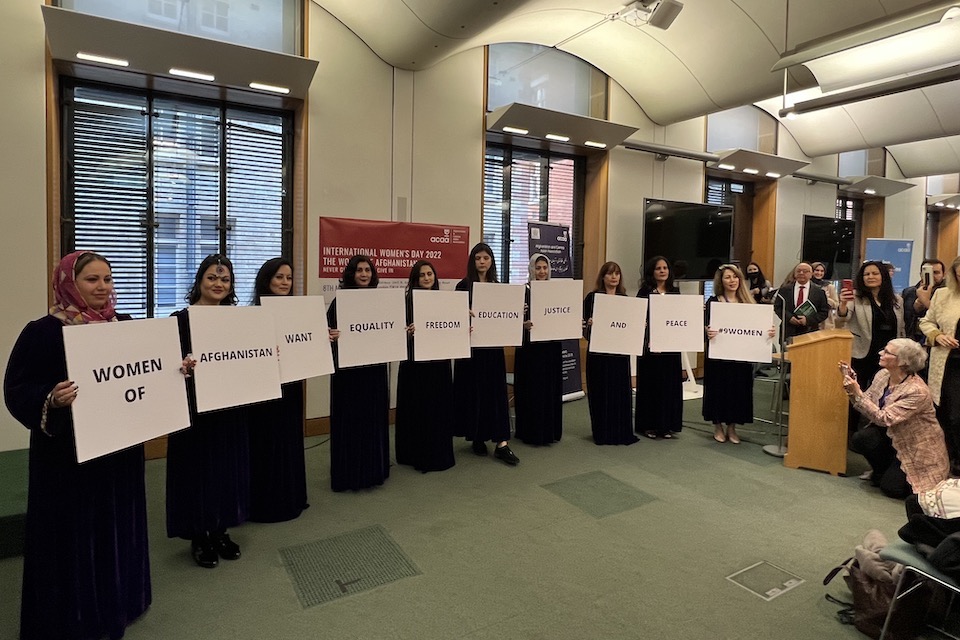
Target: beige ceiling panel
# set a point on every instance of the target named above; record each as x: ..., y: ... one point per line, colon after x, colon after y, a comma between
x: 945, y: 100
x: 827, y: 131
x: 812, y: 19
x: 461, y: 19
x: 656, y: 78
x: 894, y: 119
x: 927, y: 157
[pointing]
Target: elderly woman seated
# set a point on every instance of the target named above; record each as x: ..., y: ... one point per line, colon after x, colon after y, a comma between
x: 900, y: 409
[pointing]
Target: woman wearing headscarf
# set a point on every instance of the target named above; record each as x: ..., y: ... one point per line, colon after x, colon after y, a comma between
x: 359, y: 404
x: 538, y: 376
x: 278, y: 476
x: 208, y: 465
x: 423, y: 433
x: 820, y: 279
x: 86, y: 569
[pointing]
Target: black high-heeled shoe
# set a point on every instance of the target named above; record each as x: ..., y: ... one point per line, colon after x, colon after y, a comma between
x: 203, y: 552
x: 225, y: 547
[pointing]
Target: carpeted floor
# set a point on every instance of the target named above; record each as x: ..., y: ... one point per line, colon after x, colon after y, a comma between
x: 578, y: 541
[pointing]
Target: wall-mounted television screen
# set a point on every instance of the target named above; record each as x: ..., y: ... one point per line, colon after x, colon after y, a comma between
x: 831, y: 241
x: 696, y: 238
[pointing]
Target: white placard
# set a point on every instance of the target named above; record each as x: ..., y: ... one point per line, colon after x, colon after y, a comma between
x: 676, y: 323
x: 373, y: 326
x: 236, y: 353
x: 302, y: 336
x: 497, y: 315
x: 556, y: 310
x: 130, y: 388
x: 442, y: 325
x: 744, y: 332
x: 619, y: 324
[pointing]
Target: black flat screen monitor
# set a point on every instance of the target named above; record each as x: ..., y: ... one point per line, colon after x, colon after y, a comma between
x: 696, y: 238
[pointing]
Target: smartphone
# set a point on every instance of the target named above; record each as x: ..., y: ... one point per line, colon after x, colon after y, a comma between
x: 926, y: 274
x: 847, y: 284
x: 845, y: 368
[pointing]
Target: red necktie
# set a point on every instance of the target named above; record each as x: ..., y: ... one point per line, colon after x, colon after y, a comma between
x: 800, y: 296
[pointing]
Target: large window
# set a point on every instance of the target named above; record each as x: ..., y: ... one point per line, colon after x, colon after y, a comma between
x: 523, y: 186
x: 156, y: 183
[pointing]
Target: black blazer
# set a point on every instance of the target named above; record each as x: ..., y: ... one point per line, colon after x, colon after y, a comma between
x: 816, y: 296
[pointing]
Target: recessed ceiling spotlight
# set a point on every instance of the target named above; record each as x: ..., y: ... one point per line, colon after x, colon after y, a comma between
x: 90, y: 57
x: 870, y: 192
x: 269, y: 87
x: 773, y: 174
x: 595, y: 145
x: 194, y: 75
x: 751, y: 171
x: 516, y: 130
x: 939, y: 204
x: 557, y: 137
x: 728, y: 167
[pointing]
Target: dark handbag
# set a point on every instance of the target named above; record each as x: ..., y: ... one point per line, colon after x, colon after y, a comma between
x: 871, y: 598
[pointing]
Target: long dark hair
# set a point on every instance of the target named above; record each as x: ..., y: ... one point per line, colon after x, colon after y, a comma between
x: 349, y: 279
x: 649, y: 281
x: 193, y: 296
x: 610, y: 267
x: 472, y: 274
x: 413, y: 282
x: 885, y: 296
x: 261, y: 285
x: 757, y: 280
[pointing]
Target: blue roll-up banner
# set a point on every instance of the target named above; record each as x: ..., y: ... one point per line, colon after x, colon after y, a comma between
x: 553, y: 241
x: 899, y: 253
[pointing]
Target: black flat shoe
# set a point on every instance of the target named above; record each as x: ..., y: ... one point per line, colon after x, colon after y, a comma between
x: 203, y: 552
x: 225, y: 547
x: 480, y: 447
x: 504, y: 453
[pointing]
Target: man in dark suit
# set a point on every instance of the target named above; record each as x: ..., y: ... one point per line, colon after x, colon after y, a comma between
x: 789, y: 297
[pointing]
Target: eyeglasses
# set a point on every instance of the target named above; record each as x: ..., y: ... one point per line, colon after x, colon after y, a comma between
x: 888, y: 352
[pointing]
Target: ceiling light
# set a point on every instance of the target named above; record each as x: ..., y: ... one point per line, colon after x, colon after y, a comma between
x: 939, y: 204
x: 90, y: 57
x: 952, y: 206
x: 595, y: 145
x: 656, y: 13
x: 269, y: 87
x: 751, y: 171
x: 772, y: 174
x: 870, y: 192
x: 728, y: 167
x: 556, y: 137
x: 516, y: 130
x: 194, y: 75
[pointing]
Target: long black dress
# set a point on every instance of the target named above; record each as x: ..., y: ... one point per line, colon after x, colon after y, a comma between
x: 423, y: 433
x: 86, y: 569
x: 727, y: 387
x: 659, y: 385
x: 278, y: 475
x: 538, y: 389
x: 480, y: 391
x: 608, y: 390
x: 359, y: 423
x: 208, y: 465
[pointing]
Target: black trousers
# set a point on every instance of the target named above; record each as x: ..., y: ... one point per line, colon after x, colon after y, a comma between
x: 873, y: 443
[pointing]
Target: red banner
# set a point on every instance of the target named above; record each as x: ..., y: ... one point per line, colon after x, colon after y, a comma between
x: 393, y: 246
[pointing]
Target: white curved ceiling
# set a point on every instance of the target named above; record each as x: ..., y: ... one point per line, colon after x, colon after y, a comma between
x: 716, y: 55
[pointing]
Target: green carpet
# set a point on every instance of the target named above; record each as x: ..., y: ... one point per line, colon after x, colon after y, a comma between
x: 598, y: 494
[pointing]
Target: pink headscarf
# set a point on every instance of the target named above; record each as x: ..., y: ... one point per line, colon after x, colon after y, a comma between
x: 69, y: 306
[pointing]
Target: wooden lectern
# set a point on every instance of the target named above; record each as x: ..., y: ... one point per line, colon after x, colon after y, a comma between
x: 817, y: 437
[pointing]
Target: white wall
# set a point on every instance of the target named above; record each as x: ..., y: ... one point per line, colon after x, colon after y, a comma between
x: 635, y: 175
x: 23, y: 243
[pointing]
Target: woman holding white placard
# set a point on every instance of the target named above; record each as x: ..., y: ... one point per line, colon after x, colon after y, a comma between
x: 480, y: 381
x: 538, y: 376
x: 727, y: 384
x: 208, y: 465
x: 86, y: 568
x: 659, y: 410
x: 278, y: 476
x: 359, y: 404
x: 423, y: 433
x: 608, y: 375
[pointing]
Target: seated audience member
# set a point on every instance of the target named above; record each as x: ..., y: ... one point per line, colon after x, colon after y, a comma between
x: 899, y: 406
